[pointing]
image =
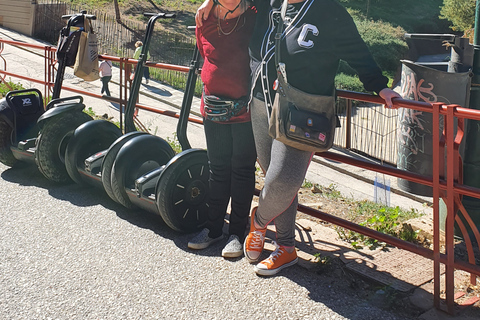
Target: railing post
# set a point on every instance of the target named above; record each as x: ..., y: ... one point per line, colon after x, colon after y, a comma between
x: 450, y: 201
x: 436, y: 156
x: 348, y: 133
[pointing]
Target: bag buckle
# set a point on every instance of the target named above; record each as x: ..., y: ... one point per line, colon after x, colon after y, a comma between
x: 216, y: 111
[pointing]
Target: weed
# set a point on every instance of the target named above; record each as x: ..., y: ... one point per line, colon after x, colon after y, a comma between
x: 388, y: 220
x: 307, y: 184
x: 407, y: 233
x: 329, y: 192
x: 323, y: 261
x: 90, y: 112
x: 174, y: 143
x: 9, y: 86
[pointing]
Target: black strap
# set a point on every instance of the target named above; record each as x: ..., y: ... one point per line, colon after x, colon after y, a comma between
x: 278, y: 35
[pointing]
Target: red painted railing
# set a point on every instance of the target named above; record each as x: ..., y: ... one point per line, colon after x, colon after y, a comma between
x: 447, y: 184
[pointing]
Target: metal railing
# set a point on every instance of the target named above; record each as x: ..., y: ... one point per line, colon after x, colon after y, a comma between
x: 446, y: 179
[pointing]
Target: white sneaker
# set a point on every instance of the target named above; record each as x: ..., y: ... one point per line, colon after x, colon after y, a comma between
x: 233, y: 248
x: 202, y: 240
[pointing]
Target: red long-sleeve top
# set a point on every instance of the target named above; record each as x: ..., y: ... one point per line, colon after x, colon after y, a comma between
x: 226, y: 67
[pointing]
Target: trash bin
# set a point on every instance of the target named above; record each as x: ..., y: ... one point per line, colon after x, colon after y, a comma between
x: 414, y: 129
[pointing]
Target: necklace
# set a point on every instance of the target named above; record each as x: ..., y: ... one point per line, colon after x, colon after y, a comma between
x: 219, y: 23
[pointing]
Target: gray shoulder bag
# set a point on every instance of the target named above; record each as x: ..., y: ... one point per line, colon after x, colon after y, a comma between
x: 301, y: 120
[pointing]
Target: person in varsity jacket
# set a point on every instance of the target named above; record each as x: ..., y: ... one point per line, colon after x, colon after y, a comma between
x: 223, y: 43
x: 317, y: 34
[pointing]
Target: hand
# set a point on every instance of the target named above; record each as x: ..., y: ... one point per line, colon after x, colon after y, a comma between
x: 387, y: 95
x: 202, y: 12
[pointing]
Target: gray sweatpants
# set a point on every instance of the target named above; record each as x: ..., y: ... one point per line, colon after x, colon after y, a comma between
x: 285, y: 168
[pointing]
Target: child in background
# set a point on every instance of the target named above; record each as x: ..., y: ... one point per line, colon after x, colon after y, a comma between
x: 105, y: 69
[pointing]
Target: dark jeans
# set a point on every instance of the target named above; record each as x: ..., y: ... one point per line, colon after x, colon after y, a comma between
x: 146, y: 73
x: 105, y: 81
x: 232, y: 157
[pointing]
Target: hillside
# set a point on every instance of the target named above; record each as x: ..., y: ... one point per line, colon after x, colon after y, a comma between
x: 382, y: 24
x: 410, y: 15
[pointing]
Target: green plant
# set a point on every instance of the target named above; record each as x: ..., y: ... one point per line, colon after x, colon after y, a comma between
x: 174, y: 143
x: 354, y: 238
x: 90, y: 112
x: 322, y: 260
x: 9, y: 86
x: 388, y: 220
x: 328, y: 192
x: 307, y: 184
x: 407, y: 233
x: 461, y: 13
x: 347, y: 81
x: 385, y: 220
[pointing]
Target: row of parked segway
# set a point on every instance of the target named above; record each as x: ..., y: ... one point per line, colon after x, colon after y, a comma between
x: 31, y: 133
x: 136, y: 169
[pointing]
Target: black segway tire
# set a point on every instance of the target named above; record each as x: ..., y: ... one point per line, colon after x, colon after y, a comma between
x: 52, y: 142
x: 182, y: 191
x: 6, y: 154
x: 109, y: 159
x: 88, y: 139
x: 138, y: 156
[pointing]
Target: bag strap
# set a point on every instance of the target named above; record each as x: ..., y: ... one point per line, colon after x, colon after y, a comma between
x: 278, y: 35
x: 86, y: 25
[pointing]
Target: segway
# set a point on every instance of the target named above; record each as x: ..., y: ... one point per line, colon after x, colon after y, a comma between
x: 91, y: 163
x: 178, y: 190
x: 28, y: 133
x: 142, y: 170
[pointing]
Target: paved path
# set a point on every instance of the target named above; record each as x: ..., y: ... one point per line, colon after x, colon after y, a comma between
x: 69, y: 252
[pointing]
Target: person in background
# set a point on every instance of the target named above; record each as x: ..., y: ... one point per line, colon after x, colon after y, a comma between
x: 136, y: 55
x: 105, y: 69
x: 317, y: 35
x: 223, y: 43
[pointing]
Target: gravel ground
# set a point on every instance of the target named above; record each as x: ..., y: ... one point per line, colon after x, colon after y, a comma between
x: 69, y: 252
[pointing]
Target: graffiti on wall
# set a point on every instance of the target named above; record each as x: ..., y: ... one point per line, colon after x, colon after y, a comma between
x: 415, y: 127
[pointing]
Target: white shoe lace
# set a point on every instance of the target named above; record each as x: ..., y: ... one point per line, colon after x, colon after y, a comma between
x: 257, y: 240
x: 277, y: 253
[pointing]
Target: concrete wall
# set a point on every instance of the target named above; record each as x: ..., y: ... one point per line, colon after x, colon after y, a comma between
x: 18, y: 15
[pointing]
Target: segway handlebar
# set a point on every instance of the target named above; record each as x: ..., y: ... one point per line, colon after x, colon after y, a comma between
x: 61, y: 100
x: 88, y: 16
x: 160, y: 14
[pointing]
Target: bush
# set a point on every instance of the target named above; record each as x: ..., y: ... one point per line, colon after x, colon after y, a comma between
x: 9, y: 86
x: 461, y: 13
x: 348, y: 82
x: 386, y: 42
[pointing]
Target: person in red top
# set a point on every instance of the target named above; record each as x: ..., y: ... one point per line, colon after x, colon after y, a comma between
x: 223, y: 43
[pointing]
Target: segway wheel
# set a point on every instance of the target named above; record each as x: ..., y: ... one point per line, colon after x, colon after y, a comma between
x: 6, y: 154
x: 52, y: 143
x: 182, y: 191
x: 109, y: 159
x: 138, y: 156
x: 88, y: 139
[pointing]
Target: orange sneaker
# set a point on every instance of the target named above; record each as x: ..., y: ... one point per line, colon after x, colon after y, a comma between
x: 279, y: 259
x: 253, y: 245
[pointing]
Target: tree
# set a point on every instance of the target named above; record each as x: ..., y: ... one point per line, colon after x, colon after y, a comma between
x: 461, y: 13
x: 117, y: 11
